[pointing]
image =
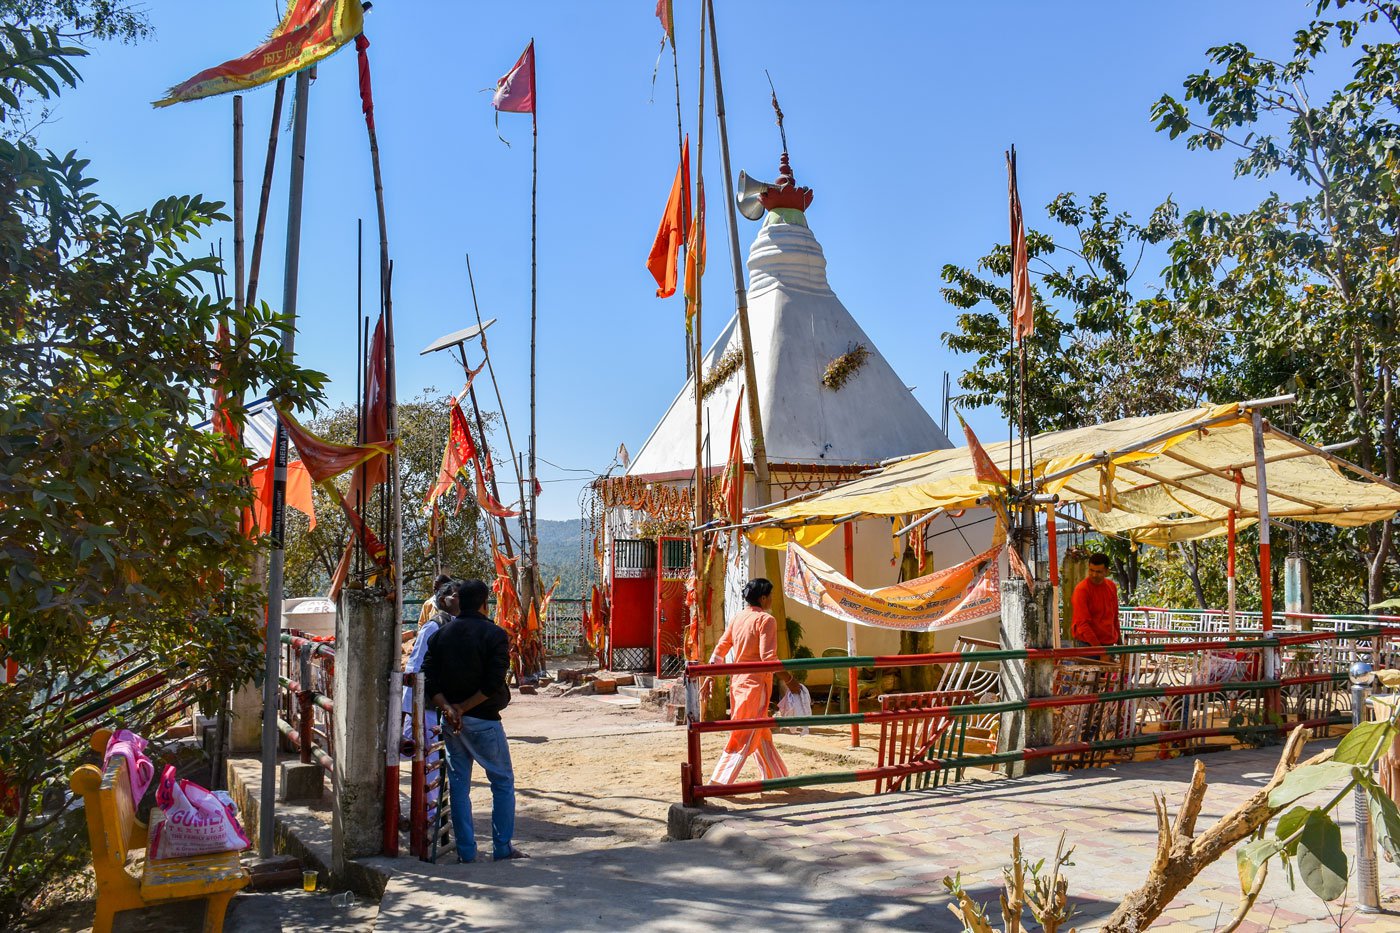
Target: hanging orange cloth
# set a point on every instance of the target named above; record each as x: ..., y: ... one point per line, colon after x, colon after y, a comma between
x: 671, y: 233
x: 325, y: 459
x: 298, y: 495
x: 695, y: 254
x: 732, y: 487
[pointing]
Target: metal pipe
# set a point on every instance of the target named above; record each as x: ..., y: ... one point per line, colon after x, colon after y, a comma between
x: 267, y: 839
x: 1367, y: 880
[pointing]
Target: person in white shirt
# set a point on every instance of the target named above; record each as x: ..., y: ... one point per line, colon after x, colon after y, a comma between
x: 430, y: 619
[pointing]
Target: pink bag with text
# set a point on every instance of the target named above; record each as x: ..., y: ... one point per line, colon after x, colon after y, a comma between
x: 196, y: 822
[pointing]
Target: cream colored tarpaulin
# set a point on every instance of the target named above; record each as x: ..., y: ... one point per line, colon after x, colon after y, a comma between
x: 944, y: 599
x: 1155, y: 479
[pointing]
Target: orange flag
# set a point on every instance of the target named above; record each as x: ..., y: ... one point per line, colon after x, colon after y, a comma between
x: 324, y: 459
x: 672, y: 230
x: 459, y: 450
x: 487, y: 502
x: 982, y: 465
x: 695, y: 253
x: 1022, y: 305
x: 298, y: 495
x: 732, y: 486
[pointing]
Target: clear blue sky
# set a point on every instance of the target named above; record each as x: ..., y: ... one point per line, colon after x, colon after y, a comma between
x: 897, y: 115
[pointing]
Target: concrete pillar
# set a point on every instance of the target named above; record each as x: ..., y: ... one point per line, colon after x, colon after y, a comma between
x: 1025, y: 623
x: 245, y: 728
x: 1297, y: 589
x: 363, y: 621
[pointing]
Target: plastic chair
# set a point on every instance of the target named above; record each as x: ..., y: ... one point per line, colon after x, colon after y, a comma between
x: 866, y: 685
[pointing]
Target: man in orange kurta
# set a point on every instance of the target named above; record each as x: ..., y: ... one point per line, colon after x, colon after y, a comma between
x: 752, y: 635
x: 1095, y: 604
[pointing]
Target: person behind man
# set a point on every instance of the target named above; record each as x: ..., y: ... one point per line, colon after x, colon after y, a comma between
x: 1095, y: 605
x: 466, y: 679
x: 430, y: 619
x: 752, y: 635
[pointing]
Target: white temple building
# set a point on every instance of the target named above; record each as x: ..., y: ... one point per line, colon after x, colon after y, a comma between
x: 816, y: 435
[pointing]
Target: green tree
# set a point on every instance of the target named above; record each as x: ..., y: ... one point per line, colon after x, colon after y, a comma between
x: 118, y: 519
x: 1091, y: 357
x: 76, y: 21
x: 462, y: 550
x: 1310, y: 278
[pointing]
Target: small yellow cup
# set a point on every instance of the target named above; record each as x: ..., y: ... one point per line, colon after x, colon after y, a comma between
x: 308, y: 881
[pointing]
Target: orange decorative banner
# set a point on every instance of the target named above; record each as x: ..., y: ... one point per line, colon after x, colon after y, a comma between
x: 956, y: 596
x: 310, y: 31
x: 326, y: 459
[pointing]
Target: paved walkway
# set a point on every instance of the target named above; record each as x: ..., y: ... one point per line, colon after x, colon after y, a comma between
x: 875, y: 861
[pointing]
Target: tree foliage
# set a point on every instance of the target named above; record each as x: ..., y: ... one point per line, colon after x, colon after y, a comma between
x: 461, y: 551
x: 118, y: 517
x: 1298, y: 294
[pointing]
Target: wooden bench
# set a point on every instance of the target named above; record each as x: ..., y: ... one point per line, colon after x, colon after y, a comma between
x: 114, y: 831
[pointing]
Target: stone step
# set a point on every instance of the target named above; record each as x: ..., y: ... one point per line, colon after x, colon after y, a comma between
x: 638, y: 693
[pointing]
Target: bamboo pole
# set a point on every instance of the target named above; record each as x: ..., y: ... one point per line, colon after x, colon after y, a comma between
x: 763, y: 493
x: 276, y: 563
x: 501, y: 407
x: 697, y: 544
x: 532, y: 545
x: 269, y: 163
x: 852, y: 674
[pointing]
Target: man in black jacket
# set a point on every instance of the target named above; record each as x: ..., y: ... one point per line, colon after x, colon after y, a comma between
x: 466, y: 680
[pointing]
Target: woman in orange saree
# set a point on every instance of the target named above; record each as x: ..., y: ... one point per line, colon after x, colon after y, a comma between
x: 752, y: 635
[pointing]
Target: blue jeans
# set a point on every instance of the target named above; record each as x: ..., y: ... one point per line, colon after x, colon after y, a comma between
x: 482, y: 741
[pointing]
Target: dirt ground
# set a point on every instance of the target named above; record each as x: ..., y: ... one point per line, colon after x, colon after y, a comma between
x: 590, y: 773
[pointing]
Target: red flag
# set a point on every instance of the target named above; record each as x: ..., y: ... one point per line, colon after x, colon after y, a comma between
x: 982, y: 465
x: 539, y: 490
x: 515, y: 91
x: 323, y: 459
x: 459, y: 450
x: 376, y: 421
x: 672, y: 230
x: 223, y: 418
x: 366, y: 89
x: 1022, y: 305
x: 732, y: 487
x: 666, y: 12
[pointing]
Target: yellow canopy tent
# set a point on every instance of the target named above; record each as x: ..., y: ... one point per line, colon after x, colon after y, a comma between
x: 1154, y: 479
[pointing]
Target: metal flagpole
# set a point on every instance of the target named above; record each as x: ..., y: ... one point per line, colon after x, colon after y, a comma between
x: 276, y: 565
x: 762, y: 484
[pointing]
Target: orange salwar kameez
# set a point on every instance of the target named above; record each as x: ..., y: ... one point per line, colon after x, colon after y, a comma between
x: 751, y: 636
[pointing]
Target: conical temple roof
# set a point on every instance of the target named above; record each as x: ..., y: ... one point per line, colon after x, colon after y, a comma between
x: 799, y: 327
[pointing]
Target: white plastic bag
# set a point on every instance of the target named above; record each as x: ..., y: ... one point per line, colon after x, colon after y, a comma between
x: 796, y: 703
x: 196, y: 822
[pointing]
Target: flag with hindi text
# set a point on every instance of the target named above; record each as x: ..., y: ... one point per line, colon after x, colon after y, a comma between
x: 310, y: 31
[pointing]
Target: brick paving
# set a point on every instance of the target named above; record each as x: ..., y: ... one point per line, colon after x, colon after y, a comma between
x: 903, y: 845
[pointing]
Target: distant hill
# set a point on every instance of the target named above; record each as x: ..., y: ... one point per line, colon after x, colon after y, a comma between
x: 559, y: 555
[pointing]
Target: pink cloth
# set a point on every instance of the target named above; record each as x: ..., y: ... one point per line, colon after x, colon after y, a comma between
x: 139, y: 769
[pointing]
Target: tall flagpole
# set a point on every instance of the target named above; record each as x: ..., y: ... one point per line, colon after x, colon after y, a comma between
x: 697, y: 348
x: 276, y: 565
x: 691, y: 362
x: 394, y: 725
x: 531, y: 572
x: 762, y: 482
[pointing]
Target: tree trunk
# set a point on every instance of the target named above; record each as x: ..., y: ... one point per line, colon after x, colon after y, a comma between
x: 1182, y: 855
x: 1192, y: 559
